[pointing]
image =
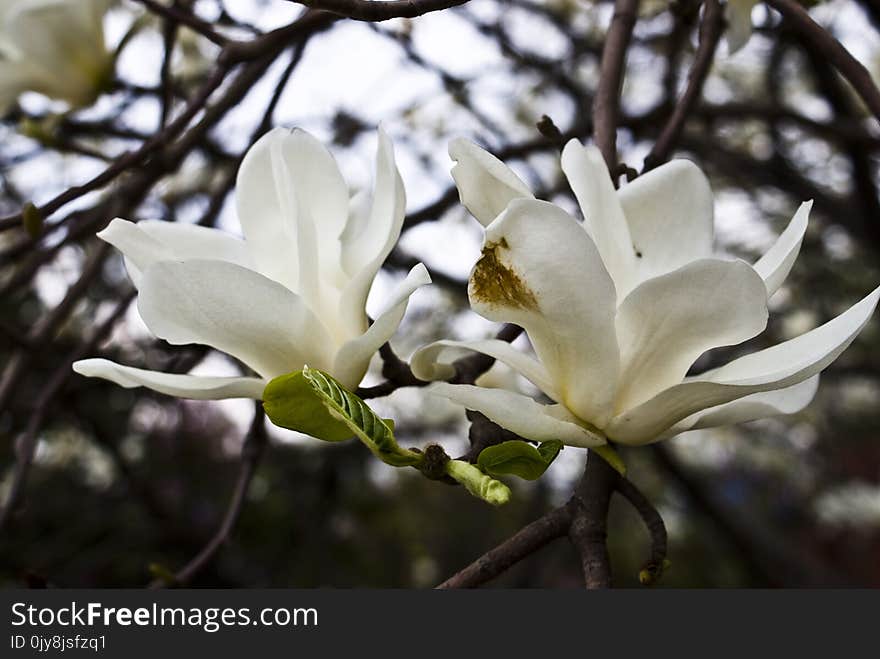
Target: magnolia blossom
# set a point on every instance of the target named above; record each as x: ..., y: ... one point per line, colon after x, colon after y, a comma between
x: 618, y: 308
x: 738, y: 14
x: 292, y: 293
x: 55, y: 47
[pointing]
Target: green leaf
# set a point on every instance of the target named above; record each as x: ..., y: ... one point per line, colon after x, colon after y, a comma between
x: 477, y: 483
x: 349, y: 409
x: 291, y: 402
x: 518, y: 458
x: 607, y: 453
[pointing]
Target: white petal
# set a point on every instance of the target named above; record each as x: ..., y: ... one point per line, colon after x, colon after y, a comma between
x: 292, y: 205
x: 354, y: 357
x: 756, y: 406
x: 62, y: 43
x: 434, y: 361
x: 485, y: 184
x: 149, y: 241
x: 369, y: 238
x: 588, y: 177
x: 541, y: 271
x: 670, y: 320
x: 182, y: 386
x: 519, y: 414
x: 669, y: 211
x: 139, y: 248
x: 779, y: 367
x: 738, y: 14
x: 236, y: 311
x: 776, y: 263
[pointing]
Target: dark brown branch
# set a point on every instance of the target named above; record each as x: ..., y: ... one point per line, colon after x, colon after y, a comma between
x: 132, y: 158
x: 589, y: 525
x: 176, y: 15
x: 26, y: 443
x: 379, y: 10
x: 710, y: 33
x: 528, y: 540
x: 653, y: 569
x: 847, y: 65
x: 396, y: 372
x: 251, y: 452
x: 606, y: 106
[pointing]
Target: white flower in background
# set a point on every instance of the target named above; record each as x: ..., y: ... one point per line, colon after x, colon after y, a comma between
x: 55, y: 47
x: 620, y: 307
x: 292, y: 293
x: 738, y: 14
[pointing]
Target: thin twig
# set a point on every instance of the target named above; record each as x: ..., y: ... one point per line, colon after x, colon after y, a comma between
x: 847, y: 65
x: 651, y: 570
x: 379, y: 10
x: 26, y: 443
x: 606, y: 105
x: 710, y: 34
x: 251, y: 452
x: 526, y: 541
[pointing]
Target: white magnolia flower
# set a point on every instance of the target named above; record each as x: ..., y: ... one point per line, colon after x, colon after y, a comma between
x: 620, y: 307
x: 291, y: 294
x: 738, y: 14
x: 55, y: 47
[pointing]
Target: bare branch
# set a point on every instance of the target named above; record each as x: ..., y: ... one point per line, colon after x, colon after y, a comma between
x: 847, y: 65
x: 606, y: 106
x: 710, y: 33
x: 652, y: 570
x: 589, y: 525
x: 527, y: 541
x: 251, y: 452
x: 380, y: 10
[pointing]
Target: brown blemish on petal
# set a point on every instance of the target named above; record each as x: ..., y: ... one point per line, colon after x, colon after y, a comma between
x: 495, y: 283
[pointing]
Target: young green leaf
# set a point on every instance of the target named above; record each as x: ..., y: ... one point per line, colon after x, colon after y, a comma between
x: 518, y: 458
x: 350, y: 410
x: 291, y: 402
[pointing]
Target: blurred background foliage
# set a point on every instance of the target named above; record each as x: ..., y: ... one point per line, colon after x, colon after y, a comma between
x: 126, y: 479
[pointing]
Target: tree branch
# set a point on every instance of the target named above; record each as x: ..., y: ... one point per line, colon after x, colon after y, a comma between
x: 528, y: 540
x: 847, y: 65
x: 606, y: 106
x: 710, y: 33
x: 651, y: 570
x: 379, y: 10
x: 589, y: 525
x: 251, y: 452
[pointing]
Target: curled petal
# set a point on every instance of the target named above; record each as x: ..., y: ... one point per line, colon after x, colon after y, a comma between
x: 755, y: 406
x: 670, y: 320
x: 370, y: 235
x: 172, y: 384
x: 670, y: 213
x: 738, y: 14
x: 434, y: 361
x: 148, y: 241
x: 776, y: 263
x: 485, y: 184
x: 354, y: 357
x: 778, y: 367
x: 520, y: 414
x: 588, y: 177
x: 234, y: 310
x: 541, y: 271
